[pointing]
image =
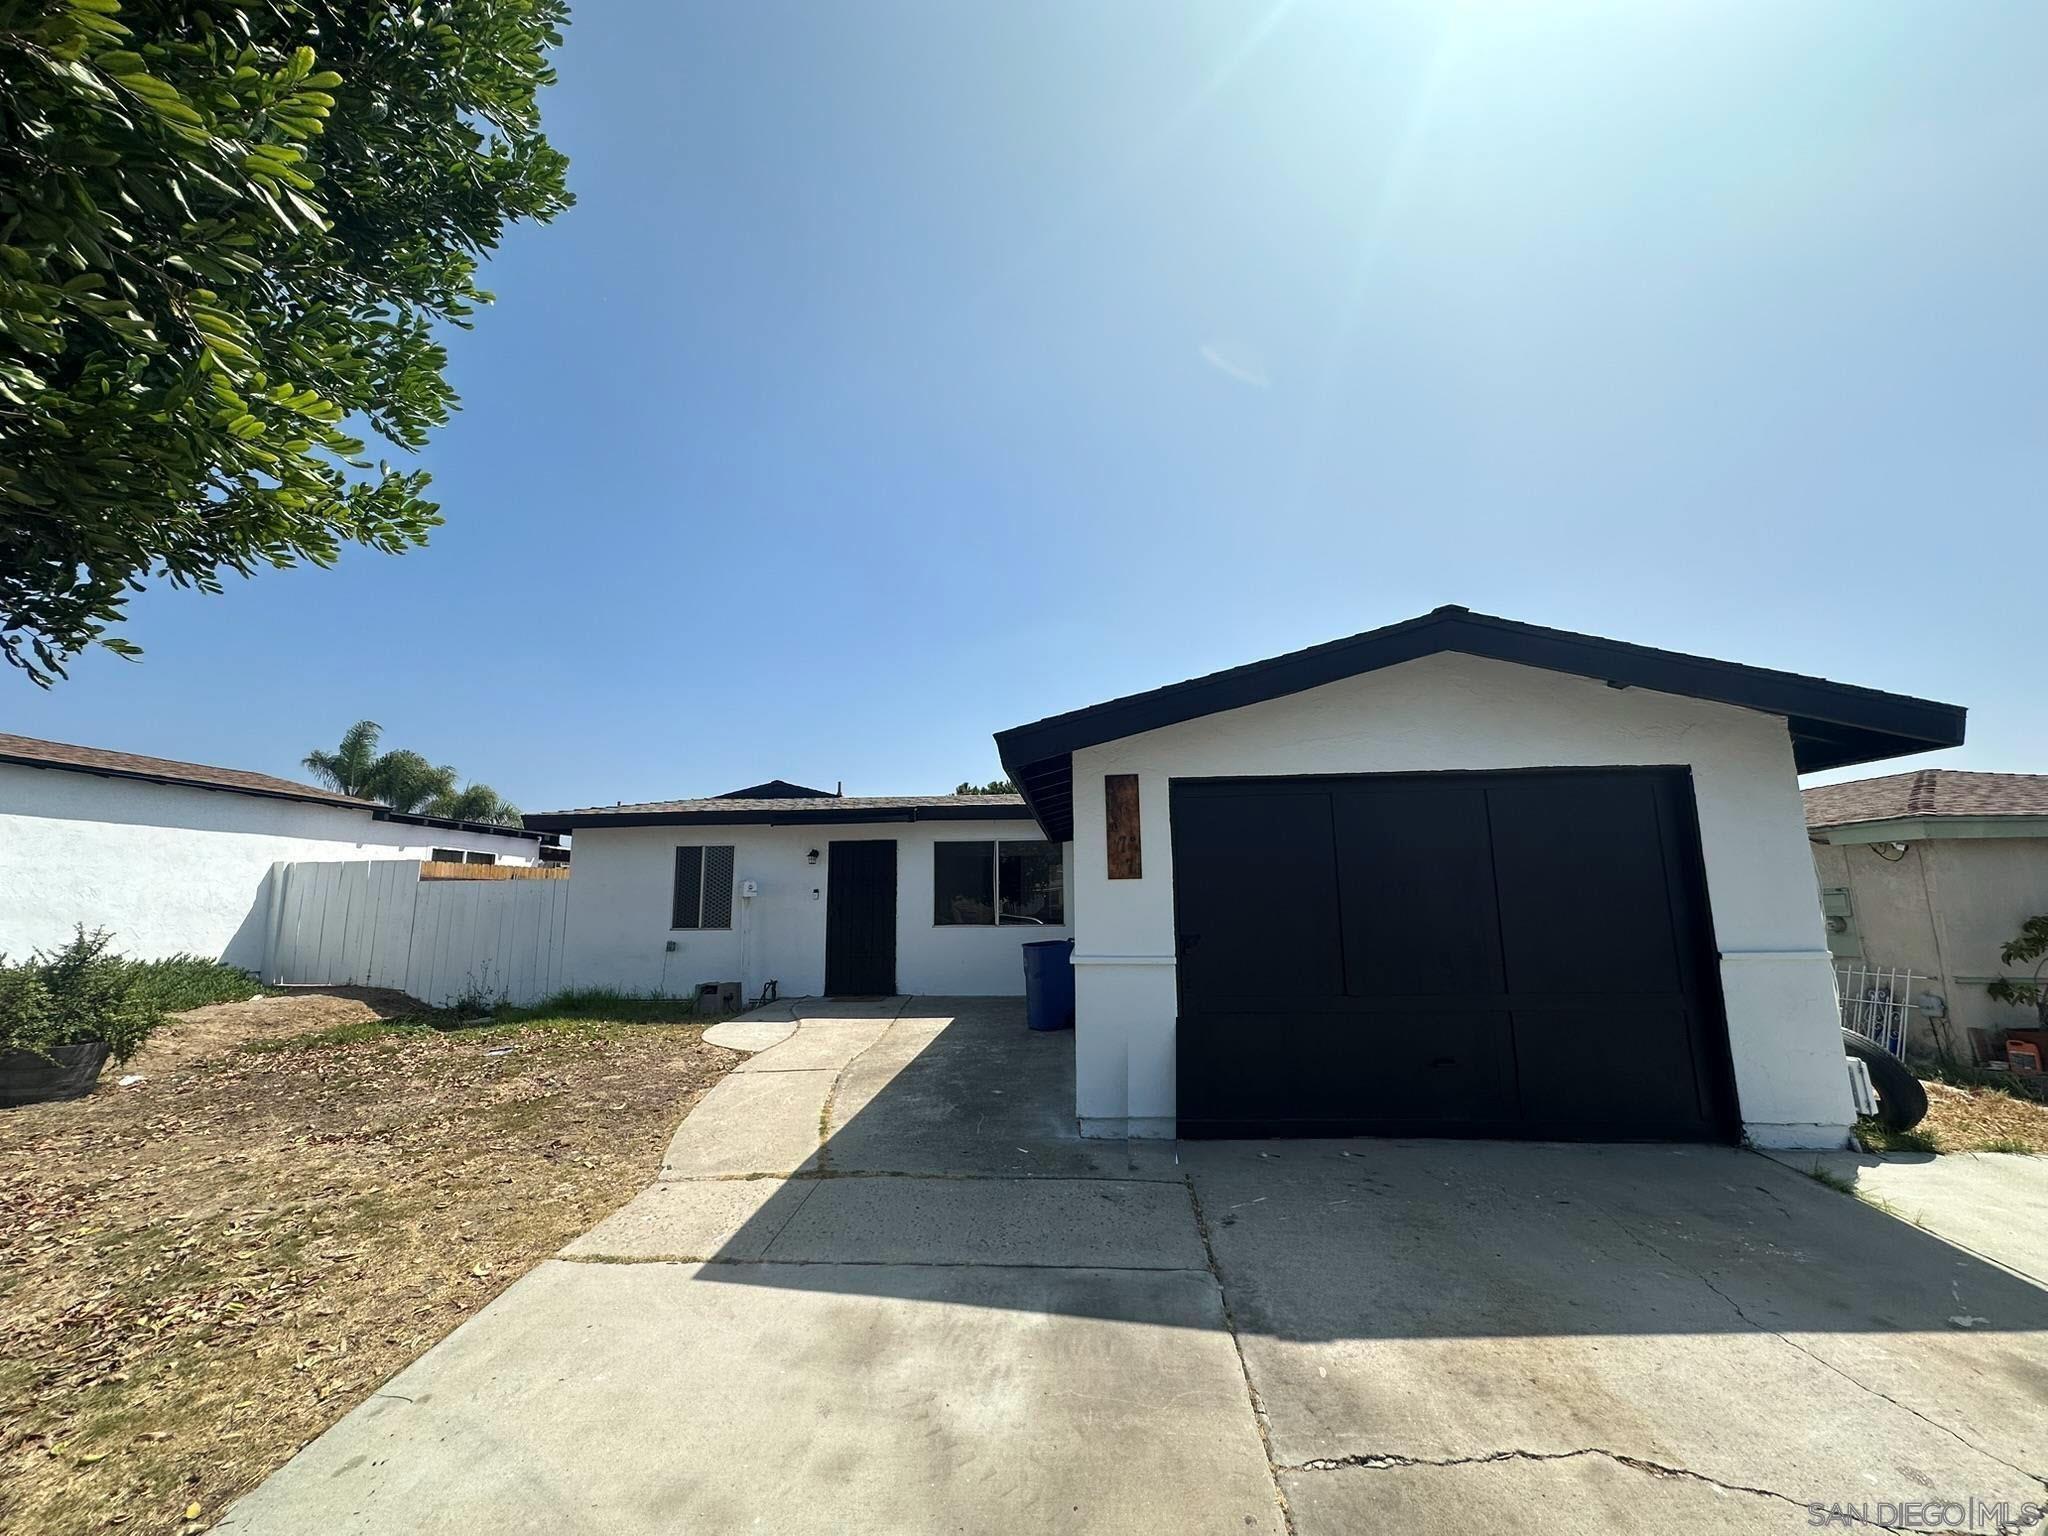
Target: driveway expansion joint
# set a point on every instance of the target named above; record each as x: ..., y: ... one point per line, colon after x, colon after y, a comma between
x: 1380, y: 1461
x: 1259, y: 1419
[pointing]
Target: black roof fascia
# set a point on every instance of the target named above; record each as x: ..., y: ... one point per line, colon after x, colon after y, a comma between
x: 600, y: 820
x: 1833, y: 725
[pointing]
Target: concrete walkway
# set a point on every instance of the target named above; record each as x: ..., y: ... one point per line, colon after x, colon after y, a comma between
x: 882, y: 1286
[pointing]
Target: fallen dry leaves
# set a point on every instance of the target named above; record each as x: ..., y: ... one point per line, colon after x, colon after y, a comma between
x: 200, y: 1273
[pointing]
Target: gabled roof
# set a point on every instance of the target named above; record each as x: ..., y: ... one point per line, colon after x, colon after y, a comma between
x: 33, y: 753
x: 724, y: 810
x: 1929, y: 793
x: 1833, y: 725
x: 777, y: 789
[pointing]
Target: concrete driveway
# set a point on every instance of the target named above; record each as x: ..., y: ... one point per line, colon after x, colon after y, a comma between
x: 881, y: 1286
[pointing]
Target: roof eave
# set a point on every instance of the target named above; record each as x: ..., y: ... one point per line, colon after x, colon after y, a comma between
x: 138, y: 776
x: 603, y: 820
x: 1833, y: 725
x: 1917, y: 829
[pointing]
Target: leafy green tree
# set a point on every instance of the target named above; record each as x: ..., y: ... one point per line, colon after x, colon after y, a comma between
x: 2030, y: 947
x: 229, y: 232
x: 404, y: 780
x: 992, y: 787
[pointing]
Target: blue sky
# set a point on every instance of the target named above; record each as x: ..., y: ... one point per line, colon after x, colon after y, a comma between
x: 909, y: 371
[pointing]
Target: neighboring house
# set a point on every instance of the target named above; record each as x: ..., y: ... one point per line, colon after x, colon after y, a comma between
x: 1932, y: 872
x: 1456, y: 876
x: 176, y: 857
x: 818, y: 893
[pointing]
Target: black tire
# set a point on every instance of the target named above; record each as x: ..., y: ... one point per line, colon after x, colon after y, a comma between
x: 1901, y: 1101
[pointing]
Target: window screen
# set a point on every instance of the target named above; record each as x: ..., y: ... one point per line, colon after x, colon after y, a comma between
x: 703, y: 892
x: 963, y: 883
x: 447, y: 855
x: 474, y: 857
x: 717, y: 887
x: 1033, y: 884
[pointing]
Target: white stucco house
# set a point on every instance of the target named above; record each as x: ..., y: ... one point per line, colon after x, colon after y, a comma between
x: 175, y: 857
x: 1931, y: 873
x: 1457, y: 876
x: 817, y: 893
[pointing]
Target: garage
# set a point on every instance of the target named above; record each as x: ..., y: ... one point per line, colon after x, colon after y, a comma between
x: 1458, y: 876
x: 1453, y: 954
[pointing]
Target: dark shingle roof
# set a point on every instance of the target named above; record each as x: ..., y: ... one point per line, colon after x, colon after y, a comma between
x: 1928, y: 792
x: 162, y: 770
x: 816, y: 808
x: 776, y: 789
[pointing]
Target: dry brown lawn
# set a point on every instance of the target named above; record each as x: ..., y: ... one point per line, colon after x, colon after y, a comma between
x: 1963, y: 1119
x: 202, y: 1271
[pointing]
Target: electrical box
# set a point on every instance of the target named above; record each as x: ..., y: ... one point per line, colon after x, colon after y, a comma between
x: 718, y: 997
x: 749, y: 889
x: 1839, y: 914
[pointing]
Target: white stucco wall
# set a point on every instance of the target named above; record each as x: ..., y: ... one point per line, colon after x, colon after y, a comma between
x: 1461, y: 712
x: 619, y: 909
x: 172, y: 870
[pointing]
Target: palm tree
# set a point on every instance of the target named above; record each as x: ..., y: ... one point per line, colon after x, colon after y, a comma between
x: 475, y: 802
x: 405, y: 781
x: 351, y: 768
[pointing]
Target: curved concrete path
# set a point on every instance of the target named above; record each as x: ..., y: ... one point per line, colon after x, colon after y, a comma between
x: 881, y: 1285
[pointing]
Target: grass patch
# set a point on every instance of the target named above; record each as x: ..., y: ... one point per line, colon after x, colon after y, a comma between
x: 603, y: 1003
x: 1872, y: 1134
x: 186, y: 981
x: 2005, y: 1144
x: 1840, y: 1183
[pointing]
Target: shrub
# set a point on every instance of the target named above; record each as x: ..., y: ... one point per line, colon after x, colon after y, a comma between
x: 187, y: 981
x: 79, y: 993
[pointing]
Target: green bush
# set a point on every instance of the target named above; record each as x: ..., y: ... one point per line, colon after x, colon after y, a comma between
x: 79, y: 993
x: 187, y: 981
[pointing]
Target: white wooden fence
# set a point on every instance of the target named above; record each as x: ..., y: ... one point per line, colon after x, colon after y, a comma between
x: 376, y: 923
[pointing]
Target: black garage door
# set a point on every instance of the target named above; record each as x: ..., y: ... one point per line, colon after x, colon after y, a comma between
x: 1516, y: 954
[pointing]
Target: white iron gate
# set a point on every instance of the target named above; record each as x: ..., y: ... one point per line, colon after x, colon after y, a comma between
x: 1876, y: 1002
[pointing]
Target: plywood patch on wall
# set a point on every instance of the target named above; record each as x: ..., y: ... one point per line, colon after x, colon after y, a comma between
x: 1126, y: 848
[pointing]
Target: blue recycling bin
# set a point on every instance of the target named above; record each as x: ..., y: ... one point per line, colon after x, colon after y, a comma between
x: 1049, y: 984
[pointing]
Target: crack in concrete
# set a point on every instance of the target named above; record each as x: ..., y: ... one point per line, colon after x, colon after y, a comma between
x: 1258, y: 1407
x: 1862, y: 1386
x: 832, y: 1093
x: 1378, y: 1461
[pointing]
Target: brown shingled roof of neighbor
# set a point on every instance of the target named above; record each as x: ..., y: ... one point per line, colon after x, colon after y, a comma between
x: 1927, y: 792
x: 35, y: 753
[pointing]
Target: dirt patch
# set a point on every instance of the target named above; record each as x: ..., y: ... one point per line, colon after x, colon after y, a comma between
x: 1963, y: 1119
x: 201, y: 1032
x: 201, y: 1272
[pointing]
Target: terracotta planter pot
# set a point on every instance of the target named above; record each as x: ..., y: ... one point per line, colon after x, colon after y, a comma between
x: 26, y: 1078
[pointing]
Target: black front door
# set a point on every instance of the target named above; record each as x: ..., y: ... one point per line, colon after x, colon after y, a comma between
x: 1501, y: 954
x: 860, y: 919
